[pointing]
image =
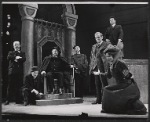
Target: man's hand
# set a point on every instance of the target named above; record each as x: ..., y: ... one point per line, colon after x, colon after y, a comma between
x: 43, y: 73
x: 40, y: 93
x: 120, y: 44
x: 97, y: 73
x: 34, y: 91
x: 72, y: 66
x: 107, y: 40
x: 119, y: 40
x: 18, y: 57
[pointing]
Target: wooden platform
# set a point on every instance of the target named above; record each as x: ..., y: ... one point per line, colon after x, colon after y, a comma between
x: 57, y: 99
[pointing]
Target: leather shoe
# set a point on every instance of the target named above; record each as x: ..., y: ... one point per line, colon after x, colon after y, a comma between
x: 60, y: 91
x: 6, y: 103
x: 102, y: 111
x: 25, y: 103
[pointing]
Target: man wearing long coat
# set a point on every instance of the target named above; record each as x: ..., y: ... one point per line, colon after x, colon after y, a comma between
x: 98, y: 63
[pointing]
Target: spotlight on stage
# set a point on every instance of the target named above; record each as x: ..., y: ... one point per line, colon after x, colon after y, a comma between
x: 8, y: 24
x: 7, y: 33
x: 8, y: 16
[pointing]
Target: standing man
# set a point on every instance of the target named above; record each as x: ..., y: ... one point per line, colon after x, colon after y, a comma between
x: 98, y: 64
x: 79, y: 61
x: 16, y: 59
x: 54, y: 66
x: 33, y: 87
x: 114, y: 34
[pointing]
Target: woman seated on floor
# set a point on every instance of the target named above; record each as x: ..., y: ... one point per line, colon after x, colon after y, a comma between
x: 122, y: 98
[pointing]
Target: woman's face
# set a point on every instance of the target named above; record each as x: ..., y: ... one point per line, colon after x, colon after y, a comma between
x: 109, y: 58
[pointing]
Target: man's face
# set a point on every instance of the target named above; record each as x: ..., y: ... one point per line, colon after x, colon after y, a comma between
x: 98, y: 37
x: 112, y: 21
x: 77, y: 49
x: 54, y: 52
x: 35, y: 74
x: 16, y: 46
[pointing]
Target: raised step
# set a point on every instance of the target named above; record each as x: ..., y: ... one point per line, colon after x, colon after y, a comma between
x: 57, y: 96
x: 59, y: 101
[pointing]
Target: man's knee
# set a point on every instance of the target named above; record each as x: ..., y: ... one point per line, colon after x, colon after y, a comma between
x: 49, y: 74
x: 60, y: 73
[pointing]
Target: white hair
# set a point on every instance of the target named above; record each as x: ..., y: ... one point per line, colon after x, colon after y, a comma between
x: 98, y: 33
x: 15, y: 42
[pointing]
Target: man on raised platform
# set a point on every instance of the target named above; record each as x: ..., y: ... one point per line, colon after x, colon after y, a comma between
x: 54, y: 66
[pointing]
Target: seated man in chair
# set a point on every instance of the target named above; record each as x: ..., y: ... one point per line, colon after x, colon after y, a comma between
x: 53, y: 66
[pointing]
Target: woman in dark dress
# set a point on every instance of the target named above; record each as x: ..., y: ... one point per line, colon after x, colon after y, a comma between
x: 122, y: 98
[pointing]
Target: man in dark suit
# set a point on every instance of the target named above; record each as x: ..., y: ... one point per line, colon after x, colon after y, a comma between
x: 54, y: 66
x: 80, y: 63
x: 33, y: 87
x: 114, y: 34
x: 98, y: 64
x: 16, y: 59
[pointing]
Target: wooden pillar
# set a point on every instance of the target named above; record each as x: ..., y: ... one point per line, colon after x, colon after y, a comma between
x: 28, y: 12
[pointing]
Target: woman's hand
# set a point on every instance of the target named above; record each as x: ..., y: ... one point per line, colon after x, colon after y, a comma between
x: 96, y: 73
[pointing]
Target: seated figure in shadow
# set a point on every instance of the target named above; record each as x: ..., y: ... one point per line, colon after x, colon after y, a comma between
x: 33, y: 87
x: 123, y: 97
x: 54, y: 66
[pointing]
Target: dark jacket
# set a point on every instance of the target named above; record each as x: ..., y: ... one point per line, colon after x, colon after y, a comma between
x: 31, y: 83
x: 113, y: 34
x: 120, y: 72
x: 49, y: 64
x: 80, y: 62
x: 15, y: 67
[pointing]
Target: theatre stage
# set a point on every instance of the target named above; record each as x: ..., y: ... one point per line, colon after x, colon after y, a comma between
x: 77, y: 111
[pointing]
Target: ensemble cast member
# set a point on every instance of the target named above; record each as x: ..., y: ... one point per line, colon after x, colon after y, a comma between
x: 122, y: 98
x: 33, y: 87
x: 54, y: 66
x: 80, y: 63
x: 98, y: 64
x: 114, y: 34
x: 16, y: 59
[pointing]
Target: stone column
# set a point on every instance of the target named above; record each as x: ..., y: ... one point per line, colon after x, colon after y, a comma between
x: 70, y: 20
x: 28, y: 12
